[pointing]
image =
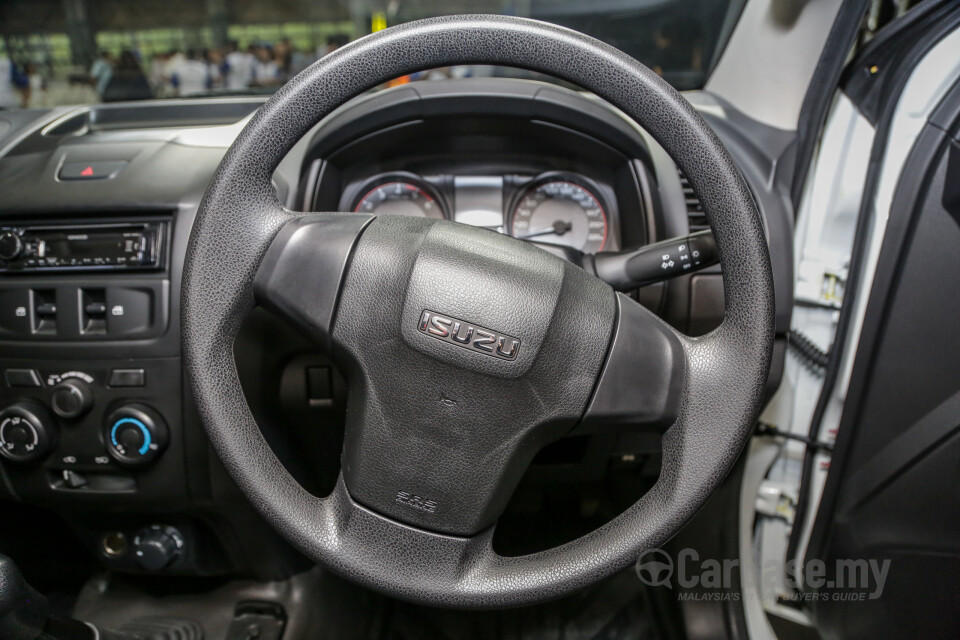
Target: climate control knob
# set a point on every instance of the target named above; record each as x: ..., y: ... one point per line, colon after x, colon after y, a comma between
x: 136, y: 434
x: 157, y: 547
x: 27, y: 431
x: 71, y: 399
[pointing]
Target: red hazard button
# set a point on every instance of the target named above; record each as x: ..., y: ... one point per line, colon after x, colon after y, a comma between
x: 101, y: 170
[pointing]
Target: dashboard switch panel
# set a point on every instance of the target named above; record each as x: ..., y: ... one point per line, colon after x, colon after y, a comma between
x: 101, y: 309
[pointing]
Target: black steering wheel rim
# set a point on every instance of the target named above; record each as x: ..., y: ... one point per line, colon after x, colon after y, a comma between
x: 724, y: 372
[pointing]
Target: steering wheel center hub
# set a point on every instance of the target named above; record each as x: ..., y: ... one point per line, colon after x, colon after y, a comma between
x: 501, y: 293
x: 483, y: 348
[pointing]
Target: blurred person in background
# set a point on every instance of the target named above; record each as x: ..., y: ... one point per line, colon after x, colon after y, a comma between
x: 101, y: 70
x: 128, y: 81
x: 157, y: 75
x: 265, y: 70
x: 283, y: 58
x: 192, y: 76
x: 14, y: 85
x: 174, y: 60
x: 36, y: 96
x: 334, y: 42
x: 300, y: 60
x: 237, y: 68
x: 214, y: 59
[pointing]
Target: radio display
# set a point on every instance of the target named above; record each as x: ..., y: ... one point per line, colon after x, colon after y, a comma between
x: 121, y: 246
x: 105, y: 244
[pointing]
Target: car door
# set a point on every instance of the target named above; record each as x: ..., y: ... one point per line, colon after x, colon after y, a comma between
x: 889, y: 515
x: 869, y: 539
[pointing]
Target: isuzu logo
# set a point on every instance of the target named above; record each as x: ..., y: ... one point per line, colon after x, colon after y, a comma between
x: 469, y: 336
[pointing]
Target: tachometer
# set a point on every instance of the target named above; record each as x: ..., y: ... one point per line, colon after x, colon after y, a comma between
x: 400, y: 197
x: 560, y: 211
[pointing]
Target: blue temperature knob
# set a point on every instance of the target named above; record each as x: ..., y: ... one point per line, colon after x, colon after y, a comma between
x: 136, y: 434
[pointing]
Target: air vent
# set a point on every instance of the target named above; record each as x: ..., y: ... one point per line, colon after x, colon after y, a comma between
x: 696, y: 218
x: 76, y: 124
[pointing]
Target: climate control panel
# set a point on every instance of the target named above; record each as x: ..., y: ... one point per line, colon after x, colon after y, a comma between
x: 103, y: 429
x: 135, y: 434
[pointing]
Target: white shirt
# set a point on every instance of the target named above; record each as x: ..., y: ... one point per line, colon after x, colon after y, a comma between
x: 265, y: 72
x: 239, y: 70
x: 192, y: 77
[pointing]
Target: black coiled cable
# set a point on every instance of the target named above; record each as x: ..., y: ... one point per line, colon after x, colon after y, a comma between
x: 807, y: 350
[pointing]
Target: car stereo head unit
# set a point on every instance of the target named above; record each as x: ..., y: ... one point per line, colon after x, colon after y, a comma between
x: 81, y: 247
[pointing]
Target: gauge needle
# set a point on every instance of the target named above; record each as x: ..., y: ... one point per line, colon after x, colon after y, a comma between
x: 558, y: 228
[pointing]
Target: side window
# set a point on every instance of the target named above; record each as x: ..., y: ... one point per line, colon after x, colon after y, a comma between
x: 880, y: 14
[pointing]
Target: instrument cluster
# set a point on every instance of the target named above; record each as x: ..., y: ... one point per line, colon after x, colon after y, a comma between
x: 563, y: 209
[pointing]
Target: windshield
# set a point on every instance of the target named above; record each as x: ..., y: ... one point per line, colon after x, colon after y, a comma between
x: 62, y: 52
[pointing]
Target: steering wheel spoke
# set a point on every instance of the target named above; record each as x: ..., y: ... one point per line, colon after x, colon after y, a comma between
x: 302, y: 283
x: 642, y: 381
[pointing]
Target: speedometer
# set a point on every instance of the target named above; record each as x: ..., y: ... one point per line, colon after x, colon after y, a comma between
x: 560, y: 211
x: 400, y: 197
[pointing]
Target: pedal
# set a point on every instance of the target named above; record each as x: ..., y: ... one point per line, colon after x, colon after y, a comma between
x: 254, y: 620
x: 159, y: 628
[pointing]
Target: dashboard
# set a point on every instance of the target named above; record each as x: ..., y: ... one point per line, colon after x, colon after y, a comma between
x: 96, y: 208
x: 492, y: 153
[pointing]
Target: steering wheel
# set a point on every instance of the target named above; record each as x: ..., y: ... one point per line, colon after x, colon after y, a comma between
x: 465, y: 351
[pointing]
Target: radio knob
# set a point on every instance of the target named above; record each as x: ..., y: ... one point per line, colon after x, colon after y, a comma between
x: 71, y: 399
x: 27, y: 431
x: 136, y: 434
x: 11, y: 246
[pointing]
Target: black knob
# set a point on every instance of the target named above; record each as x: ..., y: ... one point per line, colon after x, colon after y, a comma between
x: 157, y: 547
x: 27, y: 431
x: 135, y: 434
x: 71, y: 399
x: 10, y: 245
